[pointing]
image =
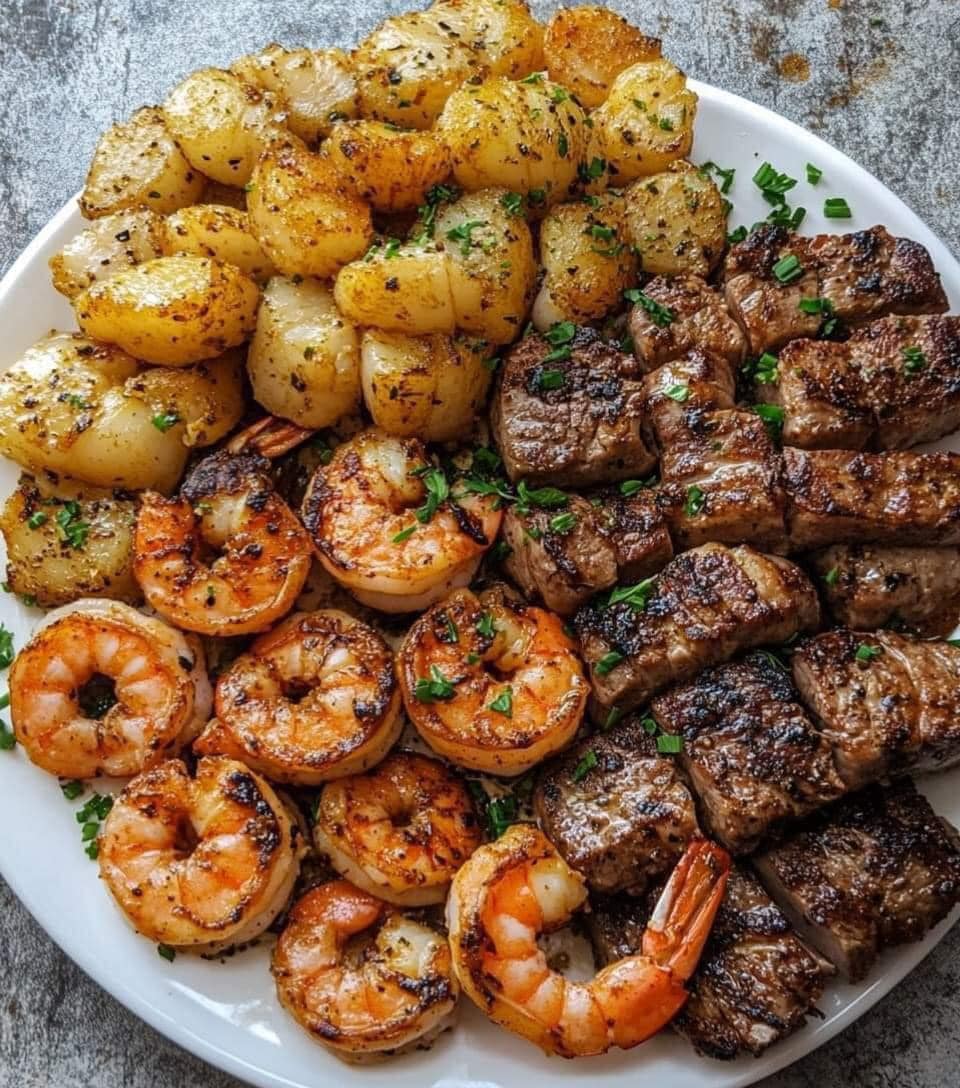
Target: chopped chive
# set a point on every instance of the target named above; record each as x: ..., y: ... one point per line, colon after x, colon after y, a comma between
x: 614, y: 715
x: 814, y: 173
x: 832, y: 576
x: 836, y: 207
x: 773, y: 416
x: 913, y: 360
x: 669, y: 744
x: 436, y: 687
x: 503, y: 704
x: 661, y: 316
x: 71, y: 790
x: 585, y: 766
x: 550, y: 379
x: 166, y: 952
x: 37, y: 519
x: 608, y: 662
x: 696, y: 500
x: 563, y: 523
x: 787, y: 269
x: 163, y: 421
x: 866, y: 652
x: 485, y: 626
x: 404, y: 534
x: 679, y: 393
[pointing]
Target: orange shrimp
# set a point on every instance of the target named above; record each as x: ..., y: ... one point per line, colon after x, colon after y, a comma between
x: 512, y: 890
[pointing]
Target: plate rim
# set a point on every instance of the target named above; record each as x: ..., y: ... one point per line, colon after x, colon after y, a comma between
x: 178, y: 1031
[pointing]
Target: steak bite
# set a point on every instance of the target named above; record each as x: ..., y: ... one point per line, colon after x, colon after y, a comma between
x: 894, y: 383
x: 616, y: 810
x: 877, y: 869
x: 756, y: 981
x: 696, y: 383
x: 862, y: 275
x: 767, y: 307
x: 839, y: 496
x: 700, y: 320
x: 886, y: 703
x: 706, y: 606
x: 913, y: 589
x: 565, y: 561
x: 753, y: 757
x: 722, y: 482
x: 574, y: 418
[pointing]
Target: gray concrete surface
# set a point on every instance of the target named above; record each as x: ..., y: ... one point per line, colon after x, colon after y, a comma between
x: 875, y: 77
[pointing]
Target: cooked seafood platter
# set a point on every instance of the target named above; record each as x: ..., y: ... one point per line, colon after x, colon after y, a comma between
x: 462, y: 569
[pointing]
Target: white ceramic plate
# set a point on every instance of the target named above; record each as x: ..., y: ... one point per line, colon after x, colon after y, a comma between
x: 227, y: 1013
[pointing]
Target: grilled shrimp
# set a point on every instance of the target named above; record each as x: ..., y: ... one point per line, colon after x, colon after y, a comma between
x: 514, y: 889
x: 399, y: 991
x: 203, y: 862
x: 386, y: 528
x: 314, y: 699
x: 400, y: 831
x: 103, y: 689
x: 491, y: 682
x: 227, y: 504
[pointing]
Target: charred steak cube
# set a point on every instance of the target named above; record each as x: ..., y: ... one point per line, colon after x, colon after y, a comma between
x: 753, y: 757
x: 862, y: 275
x: 894, y: 383
x: 913, y: 589
x: 756, y: 981
x: 885, y: 702
x: 616, y: 810
x: 706, y: 606
x: 840, y: 496
x: 695, y: 383
x: 700, y: 320
x: 765, y: 277
x: 571, y: 415
x: 565, y: 558
x: 722, y: 482
x: 877, y: 869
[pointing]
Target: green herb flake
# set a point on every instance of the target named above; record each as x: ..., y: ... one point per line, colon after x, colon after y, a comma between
x: 914, y: 360
x: 450, y: 632
x: 71, y: 790
x: 8, y: 740
x: 836, y: 207
x: 37, y: 519
x: 164, y: 951
x: 485, y: 626
x: 679, y: 393
x: 550, y: 379
x: 512, y: 203
x: 662, y: 316
x: 814, y: 173
x: 669, y: 744
x: 163, y: 421
x: 695, y: 502
x: 501, y: 813
x: 773, y: 416
x: 608, y: 662
x: 549, y: 498
x: 832, y: 576
x: 866, y: 652
x: 438, y: 491
x: 404, y: 534
x: 435, y: 688
x: 585, y: 766
x: 631, y: 487
x: 726, y: 176
x: 649, y: 725
x: 70, y: 527
x: 563, y: 145
x: 503, y: 704
x: 563, y: 523
x: 6, y: 647
x: 787, y: 269
x: 464, y: 234
x: 614, y: 715
x: 635, y: 596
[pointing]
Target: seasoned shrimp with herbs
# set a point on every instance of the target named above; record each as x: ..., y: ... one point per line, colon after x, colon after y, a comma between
x: 399, y: 831
x: 227, y: 556
x: 314, y: 699
x: 517, y: 888
x: 396, y: 990
x: 203, y: 862
x: 492, y: 682
x: 103, y: 689
x: 387, y: 525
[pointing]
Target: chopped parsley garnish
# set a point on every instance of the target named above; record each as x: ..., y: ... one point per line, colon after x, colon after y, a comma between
x: 614, y: 715
x: 631, y: 487
x: 814, y: 173
x: 608, y: 662
x: 547, y: 497
x: 563, y: 523
x: 765, y: 369
x: 773, y: 416
x: 450, y: 633
x: 70, y: 527
x: 737, y: 235
x: 558, y: 336
x: 534, y: 77
x: 6, y: 647
x: 550, y: 379
x: 90, y: 816
x: 635, y: 596
x: 438, y: 491
x: 661, y: 316
x: 679, y: 393
x: 593, y: 170
x: 37, y: 519
x: 76, y: 401
x: 836, y: 207
x: 428, y: 211
x: 500, y: 551
x: 163, y: 421
x: 434, y: 689
x: 665, y: 123
x: 913, y: 360
x: 563, y: 145
x: 669, y: 744
x: 503, y: 704
x: 832, y: 576
x: 71, y: 790
x: 559, y: 94
x: 404, y: 534
x: 166, y: 952
x: 392, y: 248
x: 485, y: 627
x: 823, y: 307
x: 501, y: 813
x: 772, y: 183
x: 696, y: 500
x: 726, y: 176
x: 601, y: 232
x: 512, y: 203
x: 649, y: 725
x: 464, y: 234
x: 787, y: 269
x: 866, y: 652
x: 472, y: 658
x: 585, y: 766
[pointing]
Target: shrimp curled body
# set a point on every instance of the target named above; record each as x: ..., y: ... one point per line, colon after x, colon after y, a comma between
x: 400, y: 831
x: 203, y: 862
x: 399, y: 991
x: 375, y: 533
x: 226, y: 504
x: 316, y: 698
x: 160, y: 694
x: 514, y: 889
x: 491, y: 682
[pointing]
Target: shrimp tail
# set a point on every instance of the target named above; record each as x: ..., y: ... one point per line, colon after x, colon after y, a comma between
x: 270, y: 437
x: 684, y: 913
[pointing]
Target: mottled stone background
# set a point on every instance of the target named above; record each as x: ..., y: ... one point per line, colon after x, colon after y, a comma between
x: 878, y: 78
